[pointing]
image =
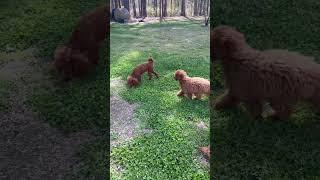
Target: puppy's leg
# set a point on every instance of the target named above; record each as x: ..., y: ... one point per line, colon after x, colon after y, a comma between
x: 282, y: 111
x: 180, y: 93
x: 254, y: 107
x: 150, y: 75
x: 225, y: 101
x: 189, y: 95
x: 156, y: 74
x: 198, y: 96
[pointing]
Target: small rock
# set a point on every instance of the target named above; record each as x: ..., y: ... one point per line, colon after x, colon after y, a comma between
x: 202, y: 125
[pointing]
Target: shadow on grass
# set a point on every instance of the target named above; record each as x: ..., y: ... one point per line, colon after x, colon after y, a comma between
x: 265, y: 149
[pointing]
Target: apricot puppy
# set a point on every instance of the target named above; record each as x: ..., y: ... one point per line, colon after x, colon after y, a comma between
x: 192, y: 85
x: 279, y: 77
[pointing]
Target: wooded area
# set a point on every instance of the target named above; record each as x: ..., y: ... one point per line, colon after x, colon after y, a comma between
x: 163, y: 8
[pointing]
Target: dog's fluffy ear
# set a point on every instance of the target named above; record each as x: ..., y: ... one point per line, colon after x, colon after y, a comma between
x: 180, y: 74
x: 228, y: 46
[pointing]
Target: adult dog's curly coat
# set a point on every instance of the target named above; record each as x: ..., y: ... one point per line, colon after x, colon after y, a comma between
x: 254, y: 77
x: 192, y: 85
x: 75, y: 58
x: 135, y: 78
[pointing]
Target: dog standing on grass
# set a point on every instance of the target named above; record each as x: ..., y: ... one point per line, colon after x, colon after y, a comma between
x: 82, y: 51
x: 135, y: 78
x: 192, y: 85
x: 279, y: 77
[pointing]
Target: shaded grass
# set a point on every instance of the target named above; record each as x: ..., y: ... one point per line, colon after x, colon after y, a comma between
x: 40, y: 23
x: 272, y: 150
x: 80, y: 105
x: 4, y: 95
x: 170, y: 151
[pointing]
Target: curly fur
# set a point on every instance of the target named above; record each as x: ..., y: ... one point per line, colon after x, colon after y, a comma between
x: 192, y: 85
x: 135, y: 78
x: 82, y: 50
x: 254, y: 77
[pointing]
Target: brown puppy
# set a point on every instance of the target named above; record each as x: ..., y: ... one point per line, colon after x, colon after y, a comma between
x: 82, y: 50
x: 135, y: 78
x: 253, y: 77
x: 192, y: 85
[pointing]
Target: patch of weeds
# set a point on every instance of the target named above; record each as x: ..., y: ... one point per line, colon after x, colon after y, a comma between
x: 94, y: 160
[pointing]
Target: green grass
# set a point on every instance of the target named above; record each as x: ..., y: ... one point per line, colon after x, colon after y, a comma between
x: 267, y: 150
x: 170, y: 150
x: 82, y: 105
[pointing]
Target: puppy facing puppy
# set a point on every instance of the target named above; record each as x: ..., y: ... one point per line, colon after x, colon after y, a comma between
x: 192, y: 85
x: 279, y: 77
x: 135, y: 78
x: 76, y: 57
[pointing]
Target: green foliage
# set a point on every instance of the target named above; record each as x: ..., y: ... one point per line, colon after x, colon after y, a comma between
x: 272, y: 150
x: 170, y: 150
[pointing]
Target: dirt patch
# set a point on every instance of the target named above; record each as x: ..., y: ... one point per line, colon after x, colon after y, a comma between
x: 123, y: 125
x: 30, y: 148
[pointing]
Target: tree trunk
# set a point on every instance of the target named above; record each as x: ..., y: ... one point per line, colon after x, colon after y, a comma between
x: 119, y: 3
x: 160, y: 10
x: 171, y: 8
x: 126, y: 4
x: 164, y: 8
x: 134, y: 8
x: 139, y: 6
x: 144, y: 8
x: 183, y: 8
x: 195, y: 8
x: 208, y: 7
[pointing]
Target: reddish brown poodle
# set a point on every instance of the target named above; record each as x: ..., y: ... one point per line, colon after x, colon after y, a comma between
x: 192, y: 85
x: 135, y: 78
x: 279, y: 77
x: 82, y: 50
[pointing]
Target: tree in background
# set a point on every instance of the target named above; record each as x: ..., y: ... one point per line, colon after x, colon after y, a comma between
x: 183, y: 8
x: 126, y: 4
x: 164, y: 8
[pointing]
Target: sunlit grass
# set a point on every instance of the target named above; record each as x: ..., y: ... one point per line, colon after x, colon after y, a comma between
x: 170, y: 151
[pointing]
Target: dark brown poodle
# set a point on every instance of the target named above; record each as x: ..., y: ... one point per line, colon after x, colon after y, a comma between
x: 82, y: 50
x: 135, y: 78
x: 192, y: 85
x: 279, y: 77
